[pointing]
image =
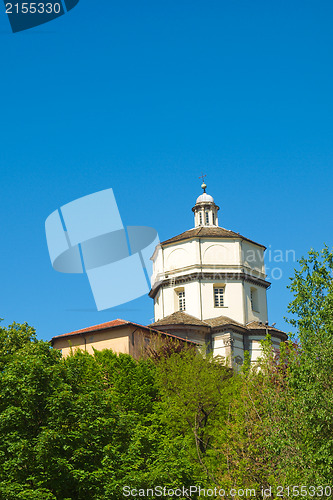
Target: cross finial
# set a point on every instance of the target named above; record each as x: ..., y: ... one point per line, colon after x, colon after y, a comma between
x: 203, y: 185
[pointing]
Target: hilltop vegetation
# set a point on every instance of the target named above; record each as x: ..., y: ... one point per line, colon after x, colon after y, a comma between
x: 86, y: 426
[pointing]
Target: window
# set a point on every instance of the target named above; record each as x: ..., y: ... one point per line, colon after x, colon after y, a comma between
x: 219, y: 296
x: 207, y: 217
x: 200, y: 218
x: 254, y: 300
x: 181, y: 301
x: 213, y: 219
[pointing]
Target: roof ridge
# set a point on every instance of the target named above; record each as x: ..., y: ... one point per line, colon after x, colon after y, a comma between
x: 123, y: 322
x: 229, y: 230
x: 177, y: 314
x: 269, y: 327
x: 209, y: 231
x: 96, y: 327
x: 227, y: 319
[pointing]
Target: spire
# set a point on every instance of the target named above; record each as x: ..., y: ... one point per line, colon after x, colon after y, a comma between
x: 205, y: 210
x: 203, y: 185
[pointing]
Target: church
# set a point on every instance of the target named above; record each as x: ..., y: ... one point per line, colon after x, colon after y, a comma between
x: 208, y: 287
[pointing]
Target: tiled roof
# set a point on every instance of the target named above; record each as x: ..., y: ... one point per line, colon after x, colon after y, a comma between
x: 113, y: 324
x: 255, y: 325
x: 179, y: 318
x: 102, y: 326
x: 182, y: 318
x: 207, y: 232
x: 223, y: 320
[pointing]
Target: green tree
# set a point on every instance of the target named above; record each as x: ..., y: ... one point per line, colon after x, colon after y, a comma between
x: 74, y: 428
x: 310, y: 375
x: 287, y: 404
x: 195, y: 392
x: 27, y: 379
x: 312, y: 307
x: 88, y: 425
x: 14, y: 338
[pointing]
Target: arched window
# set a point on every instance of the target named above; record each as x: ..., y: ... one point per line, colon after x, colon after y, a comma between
x: 200, y: 218
x: 207, y: 217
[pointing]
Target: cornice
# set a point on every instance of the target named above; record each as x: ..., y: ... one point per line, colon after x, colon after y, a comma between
x: 204, y: 205
x: 186, y: 278
x: 220, y: 330
x: 271, y: 331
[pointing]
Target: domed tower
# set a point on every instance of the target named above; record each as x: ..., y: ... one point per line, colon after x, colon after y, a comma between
x: 209, y: 285
x: 205, y: 210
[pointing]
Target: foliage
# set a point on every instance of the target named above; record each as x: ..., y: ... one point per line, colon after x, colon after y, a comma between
x: 88, y: 425
x: 12, y: 339
x: 312, y: 307
x: 195, y: 389
x: 310, y: 375
x: 286, y: 405
x: 71, y: 428
x: 163, y: 347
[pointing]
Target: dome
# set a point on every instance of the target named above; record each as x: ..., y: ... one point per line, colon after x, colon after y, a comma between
x: 204, y: 197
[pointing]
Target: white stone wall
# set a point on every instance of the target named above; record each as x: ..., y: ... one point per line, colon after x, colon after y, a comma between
x: 260, y: 313
x: 221, y: 346
x: 253, y: 256
x: 255, y: 346
x: 233, y: 300
x: 220, y: 254
x: 157, y: 259
x: 158, y: 305
x: 213, y: 256
x: 181, y: 255
x: 238, y: 348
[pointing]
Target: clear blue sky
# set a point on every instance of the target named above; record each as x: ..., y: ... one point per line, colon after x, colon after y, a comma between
x: 142, y: 96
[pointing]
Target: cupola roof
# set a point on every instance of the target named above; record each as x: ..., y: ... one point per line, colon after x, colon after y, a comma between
x: 204, y: 198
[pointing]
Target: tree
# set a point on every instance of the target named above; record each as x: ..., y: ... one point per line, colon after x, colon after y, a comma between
x: 71, y: 428
x: 28, y: 377
x: 280, y: 423
x: 289, y: 399
x: 195, y: 391
x: 312, y: 307
x: 88, y: 425
x: 14, y: 338
x: 310, y: 376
